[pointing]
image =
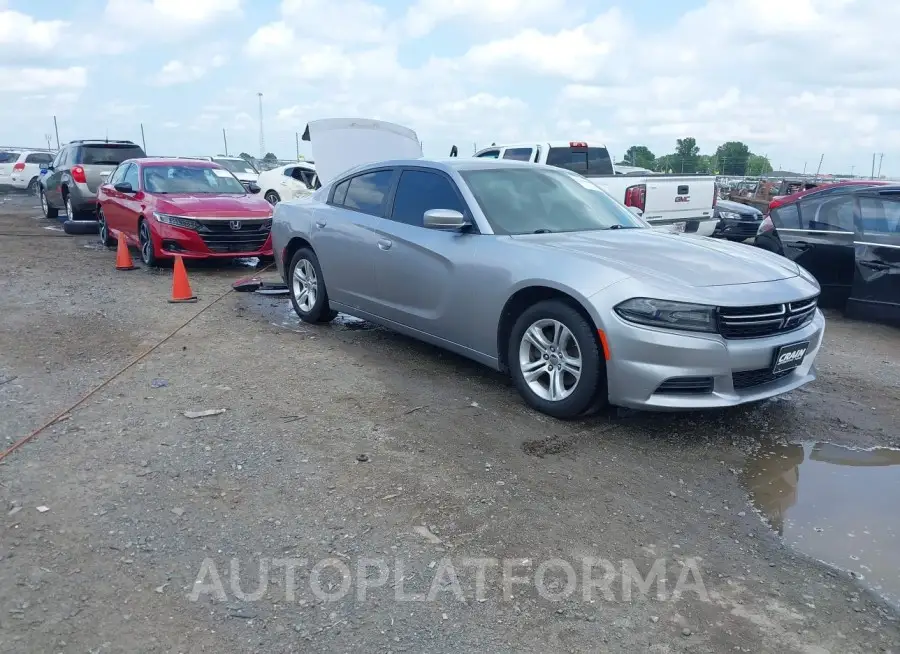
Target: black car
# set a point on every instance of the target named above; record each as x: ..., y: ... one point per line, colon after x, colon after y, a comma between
x: 737, y: 221
x: 848, y: 237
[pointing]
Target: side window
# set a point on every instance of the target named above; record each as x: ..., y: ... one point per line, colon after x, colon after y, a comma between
x: 58, y: 158
x: 834, y: 214
x: 366, y: 192
x: 489, y: 154
x: 518, y: 154
x: 38, y: 158
x: 131, y: 177
x: 289, y: 172
x: 340, y: 193
x: 117, y: 175
x: 786, y: 216
x: 62, y: 158
x: 880, y: 215
x: 418, y: 191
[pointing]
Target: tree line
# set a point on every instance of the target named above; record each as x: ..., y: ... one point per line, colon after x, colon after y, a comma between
x: 731, y: 158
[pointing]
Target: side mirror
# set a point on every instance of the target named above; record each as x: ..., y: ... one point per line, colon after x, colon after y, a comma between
x: 445, y: 219
x: 637, y: 212
x: 253, y: 187
x: 124, y: 187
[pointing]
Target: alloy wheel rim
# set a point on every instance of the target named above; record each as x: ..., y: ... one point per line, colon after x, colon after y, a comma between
x: 550, y: 360
x: 272, y: 198
x: 104, y: 232
x: 43, y: 202
x: 305, y: 286
x: 146, y: 244
x: 69, y: 213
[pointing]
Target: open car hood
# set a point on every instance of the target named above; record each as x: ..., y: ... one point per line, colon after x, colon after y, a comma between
x: 339, y: 144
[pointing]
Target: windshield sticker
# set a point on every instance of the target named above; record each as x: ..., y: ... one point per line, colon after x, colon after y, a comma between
x: 220, y: 172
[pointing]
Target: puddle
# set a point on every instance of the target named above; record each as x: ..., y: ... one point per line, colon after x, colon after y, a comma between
x: 250, y: 262
x: 282, y: 315
x: 349, y: 323
x: 835, y: 504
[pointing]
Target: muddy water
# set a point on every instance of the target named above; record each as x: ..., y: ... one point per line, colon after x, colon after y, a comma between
x: 835, y: 504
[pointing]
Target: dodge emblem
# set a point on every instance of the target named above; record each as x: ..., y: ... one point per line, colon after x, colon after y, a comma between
x: 235, y: 225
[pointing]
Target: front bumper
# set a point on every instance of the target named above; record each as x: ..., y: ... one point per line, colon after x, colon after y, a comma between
x: 169, y: 241
x: 737, y: 230
x: 643, y: 358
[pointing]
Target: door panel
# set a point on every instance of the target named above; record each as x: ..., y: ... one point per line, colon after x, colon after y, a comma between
x: 876, y: 282
x: 130, y: 204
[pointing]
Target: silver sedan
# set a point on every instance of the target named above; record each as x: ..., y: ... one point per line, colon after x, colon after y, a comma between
x: 535, y: 271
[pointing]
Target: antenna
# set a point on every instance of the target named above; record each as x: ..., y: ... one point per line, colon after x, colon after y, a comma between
x: 262, y: 138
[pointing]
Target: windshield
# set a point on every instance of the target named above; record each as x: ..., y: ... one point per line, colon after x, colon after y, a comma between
x: 190, y: 179
x: 108, y: 155
x: 533, y: 200
x: 236, y: 165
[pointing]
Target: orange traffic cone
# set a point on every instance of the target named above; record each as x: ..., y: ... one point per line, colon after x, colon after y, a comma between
x: 181, y: 287
x: 123, y: 256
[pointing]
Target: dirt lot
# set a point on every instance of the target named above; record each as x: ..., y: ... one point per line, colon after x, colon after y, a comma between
x: 453, y: 468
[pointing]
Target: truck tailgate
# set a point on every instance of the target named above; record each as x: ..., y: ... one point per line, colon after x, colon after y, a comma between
x: 679, y: 198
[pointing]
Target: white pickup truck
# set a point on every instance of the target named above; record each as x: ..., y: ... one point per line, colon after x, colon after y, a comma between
x: 678, y: 202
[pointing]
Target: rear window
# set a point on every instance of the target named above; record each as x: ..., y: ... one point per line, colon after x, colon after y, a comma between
x: 38, y: 158
x: 8, y: 157
x: 590, y: 161
x: 107, y: 154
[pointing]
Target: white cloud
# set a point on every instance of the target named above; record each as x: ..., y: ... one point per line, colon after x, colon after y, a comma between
x: 29, y: 80
x: 24, y: 35
x: 425, y: 15
x: 179, y: 72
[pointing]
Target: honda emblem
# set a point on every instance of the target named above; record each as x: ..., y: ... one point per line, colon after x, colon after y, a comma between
x: 235, y: 225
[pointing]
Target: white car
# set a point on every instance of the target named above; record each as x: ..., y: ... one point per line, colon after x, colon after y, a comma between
x: 22, y: 169
x: 288, y: 182
x: 245, y: 171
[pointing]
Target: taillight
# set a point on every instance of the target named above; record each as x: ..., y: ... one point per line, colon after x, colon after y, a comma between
x: 19, y: 167
x: 636, y: 196
x: 78, y: 175
x: 577, y: 144
x: 766, y: 226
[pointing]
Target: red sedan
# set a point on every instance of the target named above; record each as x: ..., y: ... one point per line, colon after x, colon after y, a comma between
x: 197, y: 209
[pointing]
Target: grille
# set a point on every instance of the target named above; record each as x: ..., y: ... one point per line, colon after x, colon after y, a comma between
x: 750, y: 378
x: 759, y: 321
x: 220, y: 237
x: 686, y: 386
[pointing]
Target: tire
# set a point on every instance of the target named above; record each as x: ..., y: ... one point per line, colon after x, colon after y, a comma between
x: 272, y: 198
x: 32, y: 186
x: 305, y: 276
x: 148, y: 256
x: 103, y: 229
x: 575, y: 337
x: 70, y: 208
x: 49, y: 212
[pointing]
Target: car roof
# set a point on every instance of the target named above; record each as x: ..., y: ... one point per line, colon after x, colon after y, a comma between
x: 162, y: 161
x: 849, y: 184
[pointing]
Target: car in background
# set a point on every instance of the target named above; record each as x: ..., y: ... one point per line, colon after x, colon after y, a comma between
x: 22, y: 170
x: 75, y: 174
x: 196, y: 209
x: 736, y: 221
x: 534, y: 270
x: 288, y: 182
x: 846, y: 235
x: 244, y: 170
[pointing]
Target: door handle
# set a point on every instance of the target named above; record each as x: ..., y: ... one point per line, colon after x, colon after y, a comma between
x: 800, y: 245
x: 320, y: 223
x: 385, y: 244
x: 875, y: 265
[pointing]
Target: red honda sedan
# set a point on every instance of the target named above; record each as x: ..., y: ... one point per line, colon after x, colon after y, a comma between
x: 197, y: 209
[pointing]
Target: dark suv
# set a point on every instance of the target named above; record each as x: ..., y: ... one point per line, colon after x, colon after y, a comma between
x: 80, y: 167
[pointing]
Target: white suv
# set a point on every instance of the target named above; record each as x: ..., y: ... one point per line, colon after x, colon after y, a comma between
x: 22, y: 170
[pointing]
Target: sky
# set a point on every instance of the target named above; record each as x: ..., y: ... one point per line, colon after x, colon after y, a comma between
x: 794, y: 79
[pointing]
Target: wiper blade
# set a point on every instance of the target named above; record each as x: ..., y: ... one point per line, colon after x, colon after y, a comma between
x: 542, y: 231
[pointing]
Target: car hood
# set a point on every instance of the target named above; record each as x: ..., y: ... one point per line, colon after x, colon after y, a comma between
x: 737, y: 207
x: 339, y: 144
x: 674, y: 259
x: 246, y: 177
x: 214, y: 206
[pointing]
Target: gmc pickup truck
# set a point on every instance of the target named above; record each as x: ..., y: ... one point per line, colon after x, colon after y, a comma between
x: 681, y: 203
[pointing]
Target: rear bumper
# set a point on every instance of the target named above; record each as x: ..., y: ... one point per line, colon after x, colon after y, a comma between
x: 83, y: 198
x: 170, y: 241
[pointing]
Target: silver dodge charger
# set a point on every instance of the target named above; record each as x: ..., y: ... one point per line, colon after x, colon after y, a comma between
x: 535, y: 271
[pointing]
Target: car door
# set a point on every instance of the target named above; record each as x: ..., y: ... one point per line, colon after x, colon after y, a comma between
x: 418, y: 269
x: 344, y: 237
x: 292, y: 182
x: 52, y: 179
x: 129, y: 205
x: 876, y: 282
x: 111, y: 200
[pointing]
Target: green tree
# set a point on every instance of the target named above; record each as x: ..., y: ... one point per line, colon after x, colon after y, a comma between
x: 686, y: 154
x: 759, y: 165
x: 706, y: 164
x: 245, y: 156
x: 640, y: 156
x: 733, y: 158
x: 270, y: 157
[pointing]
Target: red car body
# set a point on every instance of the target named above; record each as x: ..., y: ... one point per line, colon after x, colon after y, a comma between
x: 793, y: 197
x: 209, y: 224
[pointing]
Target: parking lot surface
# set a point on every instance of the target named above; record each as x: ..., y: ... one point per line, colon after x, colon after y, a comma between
x: 352, y: 448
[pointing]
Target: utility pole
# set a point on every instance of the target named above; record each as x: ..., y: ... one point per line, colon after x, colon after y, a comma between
x: 880, y: 159
x: 225, y: 139
x: 851, y: 170
x: 804, y: 167
x: 819, y: 169
x: 297, y: 139
x: 143, y: 140
x: 872, y: 176
x: 262, y: 138
x: 56, y: 129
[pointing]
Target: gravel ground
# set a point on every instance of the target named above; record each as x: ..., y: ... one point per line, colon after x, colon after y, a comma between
x: 353, y: 448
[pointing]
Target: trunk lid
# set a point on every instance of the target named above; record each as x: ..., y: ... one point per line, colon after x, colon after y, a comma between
x: 339, y: 144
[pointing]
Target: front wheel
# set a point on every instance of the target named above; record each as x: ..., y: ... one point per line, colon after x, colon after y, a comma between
x: 308, y: 294
x: 148, y: 256
x: 272, y: 198
x: 105, y: 237
x: 556, y: 361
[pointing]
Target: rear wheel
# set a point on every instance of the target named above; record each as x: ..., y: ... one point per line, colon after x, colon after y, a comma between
x: 556, y: 361
x: 308, y: 294
x: 148, y: 256
x: 272, y: 198
x: 70, y: 209
x: 32, y: 186
x: 49, y: 212
x: 105, y: 236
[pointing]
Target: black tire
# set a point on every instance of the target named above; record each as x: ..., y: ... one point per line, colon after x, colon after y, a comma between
x: 148, y: 256
x: 272, y: 197
x: 103, y: 229
x: 32, y: 186
x: 71, y: 211
x: 320, y: 311
x: 49, y: 212
x: 589, y: 393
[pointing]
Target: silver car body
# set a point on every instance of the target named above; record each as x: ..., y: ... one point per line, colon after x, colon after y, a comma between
x: 452, y: 289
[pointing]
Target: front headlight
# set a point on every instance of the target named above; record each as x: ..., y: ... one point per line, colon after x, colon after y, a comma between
x: 729, y: 215
x: 667, y: 314
x: 177, y: 221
